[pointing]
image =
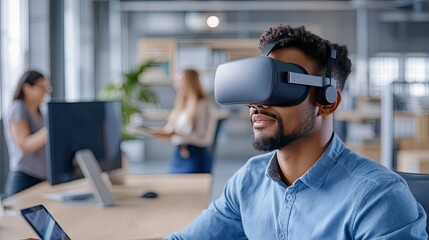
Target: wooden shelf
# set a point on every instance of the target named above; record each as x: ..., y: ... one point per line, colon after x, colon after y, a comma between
x: 356, y: 116
x: 155, y: 80
x: 371, y: 151
x: 234, y: 48
x: 163, y: 52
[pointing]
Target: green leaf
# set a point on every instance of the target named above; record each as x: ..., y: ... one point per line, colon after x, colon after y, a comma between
x: 132, y: 93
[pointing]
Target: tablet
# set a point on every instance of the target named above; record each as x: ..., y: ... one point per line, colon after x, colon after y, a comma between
x: 43, y: 223
x: 140, y: 130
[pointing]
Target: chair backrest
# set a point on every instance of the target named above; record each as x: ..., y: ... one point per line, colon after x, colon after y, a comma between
x: 419, y: 185
x: 212, y: 147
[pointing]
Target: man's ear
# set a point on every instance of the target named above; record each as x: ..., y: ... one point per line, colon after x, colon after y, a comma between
x: 325, y: 110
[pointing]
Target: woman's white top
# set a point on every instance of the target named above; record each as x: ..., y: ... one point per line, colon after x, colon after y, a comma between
x: 202, y: 132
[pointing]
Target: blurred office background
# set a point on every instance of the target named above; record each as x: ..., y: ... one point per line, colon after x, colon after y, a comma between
x: 82, y: 45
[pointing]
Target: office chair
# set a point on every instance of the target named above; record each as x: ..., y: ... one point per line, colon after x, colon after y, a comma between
x: 212, y: 147
x: 419, y: 185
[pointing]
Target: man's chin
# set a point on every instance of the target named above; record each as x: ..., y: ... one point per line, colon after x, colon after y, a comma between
x: 263, y: 143
x: 260, y: 134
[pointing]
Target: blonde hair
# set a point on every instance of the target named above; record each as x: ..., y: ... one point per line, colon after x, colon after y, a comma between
x: 189, y: 99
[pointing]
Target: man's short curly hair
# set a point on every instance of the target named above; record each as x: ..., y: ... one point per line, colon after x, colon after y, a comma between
x: 313, y: 47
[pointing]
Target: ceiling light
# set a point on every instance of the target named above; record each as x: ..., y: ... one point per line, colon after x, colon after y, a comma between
x: 213, y: 21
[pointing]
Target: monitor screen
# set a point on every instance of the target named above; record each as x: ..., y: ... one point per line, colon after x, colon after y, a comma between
x: 74, y: 126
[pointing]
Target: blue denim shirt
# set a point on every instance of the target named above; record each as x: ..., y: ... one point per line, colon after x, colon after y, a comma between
x: 342, y: 196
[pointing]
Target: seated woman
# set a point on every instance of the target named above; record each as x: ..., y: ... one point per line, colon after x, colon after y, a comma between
x: 25, y: 133
x: 190, y: 126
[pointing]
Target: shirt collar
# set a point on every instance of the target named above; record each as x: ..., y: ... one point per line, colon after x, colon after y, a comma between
x: 316, y: 175
x: 273, y: 169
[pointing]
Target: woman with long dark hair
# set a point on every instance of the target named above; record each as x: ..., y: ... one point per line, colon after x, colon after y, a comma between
x: 25, y: 133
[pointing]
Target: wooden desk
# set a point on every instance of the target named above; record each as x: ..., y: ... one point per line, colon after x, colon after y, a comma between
x: 181, y: 198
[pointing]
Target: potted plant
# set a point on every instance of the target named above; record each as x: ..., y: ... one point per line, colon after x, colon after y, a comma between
x: 133, y: 94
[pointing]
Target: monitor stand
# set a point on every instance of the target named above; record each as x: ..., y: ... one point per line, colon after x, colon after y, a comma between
x: 92, y: 171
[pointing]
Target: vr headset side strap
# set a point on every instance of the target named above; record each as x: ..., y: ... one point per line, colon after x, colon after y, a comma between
x: 307, y: 80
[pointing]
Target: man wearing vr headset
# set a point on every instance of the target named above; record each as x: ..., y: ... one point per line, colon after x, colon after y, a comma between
x: 309, y: 185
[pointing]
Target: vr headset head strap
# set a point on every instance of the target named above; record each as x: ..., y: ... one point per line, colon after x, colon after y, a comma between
x: 328, y: 94
x: 265, y: 51
x: 332, y: 55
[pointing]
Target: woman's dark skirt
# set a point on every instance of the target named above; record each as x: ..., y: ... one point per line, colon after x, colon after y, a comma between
x: 190, y: 159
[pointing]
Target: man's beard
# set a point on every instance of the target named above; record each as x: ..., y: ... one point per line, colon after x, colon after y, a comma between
x: 280, y: 139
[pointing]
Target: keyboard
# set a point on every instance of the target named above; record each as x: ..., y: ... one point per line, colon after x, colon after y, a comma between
x: 69, y: 196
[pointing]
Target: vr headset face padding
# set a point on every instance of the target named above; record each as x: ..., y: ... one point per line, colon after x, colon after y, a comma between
x: 258, y: 80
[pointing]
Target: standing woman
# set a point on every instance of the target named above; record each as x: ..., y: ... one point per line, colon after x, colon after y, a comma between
x: 190, y: 126
x: 25, y: 133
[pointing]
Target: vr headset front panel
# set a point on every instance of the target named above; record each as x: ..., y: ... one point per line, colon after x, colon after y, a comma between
x: 258, y: 80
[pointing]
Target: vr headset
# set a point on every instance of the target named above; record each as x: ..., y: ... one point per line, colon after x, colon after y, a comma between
x: 264, y: 80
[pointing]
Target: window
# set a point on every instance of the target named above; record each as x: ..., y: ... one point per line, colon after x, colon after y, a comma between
x: 13, y: 42
x: 382, y: 71
x: 416, y: 69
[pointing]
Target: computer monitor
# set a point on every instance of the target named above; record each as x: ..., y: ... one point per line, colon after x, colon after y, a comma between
x: 74, y: 126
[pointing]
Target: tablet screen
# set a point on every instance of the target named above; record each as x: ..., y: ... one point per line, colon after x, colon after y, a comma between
x: 43, y: 223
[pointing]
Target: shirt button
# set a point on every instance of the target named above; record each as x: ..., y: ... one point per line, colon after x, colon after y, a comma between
x: 282, y: 236
x: 289, y: 197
